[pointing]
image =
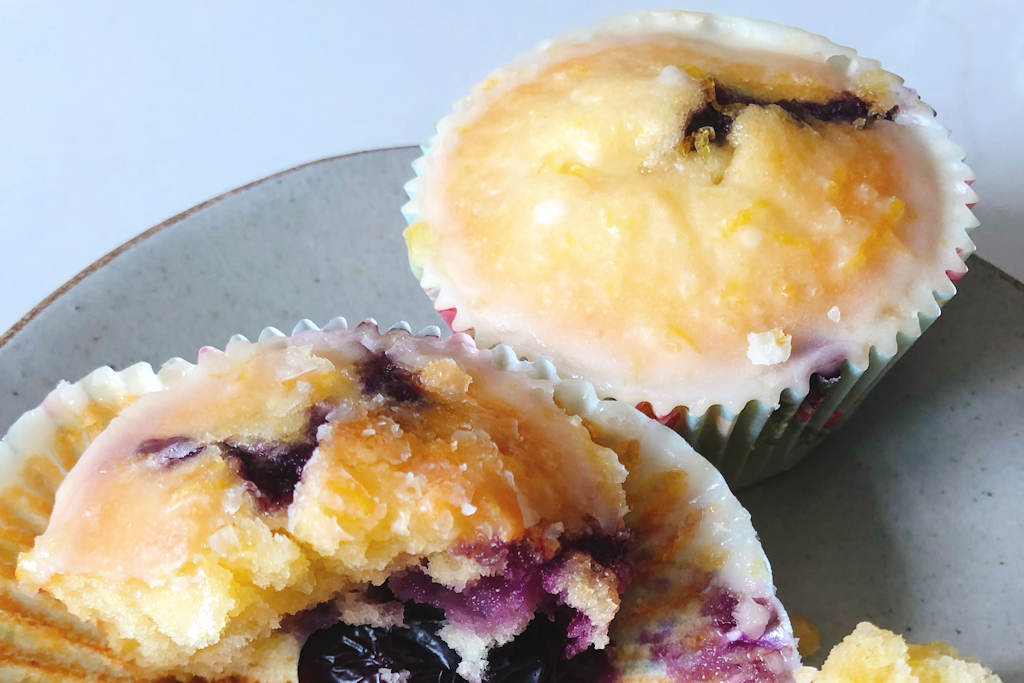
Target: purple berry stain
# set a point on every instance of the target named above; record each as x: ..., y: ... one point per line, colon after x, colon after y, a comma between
x: 381, y: 375
x: 275, y: 467
x: 170, y: 451
x: 272, y: 468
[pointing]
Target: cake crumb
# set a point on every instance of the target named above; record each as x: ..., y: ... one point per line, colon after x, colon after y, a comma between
x: 769, y: 348
x: 871, y: 653
x: 833, y: 314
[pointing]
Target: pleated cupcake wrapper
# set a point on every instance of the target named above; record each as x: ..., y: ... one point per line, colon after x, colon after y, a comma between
x: 761, y: 439
x: 41, y: 641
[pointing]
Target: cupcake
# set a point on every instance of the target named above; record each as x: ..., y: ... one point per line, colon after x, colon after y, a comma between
x: 377, y: 505
x: 734, y: 225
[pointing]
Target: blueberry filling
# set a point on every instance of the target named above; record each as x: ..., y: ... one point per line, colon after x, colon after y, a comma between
x: 273, y: 468
x: 714, y: 120
x: 381, y: 375
x: 726, y: 653
x: 344, y: 653
x: 527, y: 584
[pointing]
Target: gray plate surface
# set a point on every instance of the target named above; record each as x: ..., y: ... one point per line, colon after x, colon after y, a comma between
x: 911, y: 516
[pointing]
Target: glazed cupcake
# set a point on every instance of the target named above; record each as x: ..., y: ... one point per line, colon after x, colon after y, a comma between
x: 350, y: 502
x: 735, y: 225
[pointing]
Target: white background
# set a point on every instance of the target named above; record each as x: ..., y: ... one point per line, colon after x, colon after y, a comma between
x: 117, y: 115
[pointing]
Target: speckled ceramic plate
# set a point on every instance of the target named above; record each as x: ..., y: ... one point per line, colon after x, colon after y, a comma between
x: 910, y: 516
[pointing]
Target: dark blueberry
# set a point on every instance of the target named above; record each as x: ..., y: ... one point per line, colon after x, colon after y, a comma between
x: 608, y: 550
x: 349, y: 654
x: 381, y: 375
x: 846, y: 108
x: 274, y: 467
x: 171, y: 450
x: 346, y: 654
x: 709, y: 116
x: 537, y: 655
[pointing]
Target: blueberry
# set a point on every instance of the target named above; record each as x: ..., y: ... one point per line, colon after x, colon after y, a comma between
x: 275, y: 467
x: 537, y: 655
x: 381, y: 375
x: 349, y: 654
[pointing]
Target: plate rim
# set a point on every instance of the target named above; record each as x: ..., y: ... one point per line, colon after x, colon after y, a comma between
x: 106, y: 258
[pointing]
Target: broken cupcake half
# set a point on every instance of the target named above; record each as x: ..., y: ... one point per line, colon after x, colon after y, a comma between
x: 350, y: 504
x: 734, y: 224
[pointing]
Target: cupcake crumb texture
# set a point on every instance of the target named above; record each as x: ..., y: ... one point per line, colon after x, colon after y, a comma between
x: 871, y: 654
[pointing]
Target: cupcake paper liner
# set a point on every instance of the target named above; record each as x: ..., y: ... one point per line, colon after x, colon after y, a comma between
x: 39, y: 639
x: 670, y: 488
x: 763, y: 440
x: 767, y: 434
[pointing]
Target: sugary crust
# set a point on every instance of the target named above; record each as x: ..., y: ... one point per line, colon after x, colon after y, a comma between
x: 862, y: 74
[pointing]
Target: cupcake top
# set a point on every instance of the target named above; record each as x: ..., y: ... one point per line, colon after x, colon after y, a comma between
x: 669, y: 199
x: 274, y: 476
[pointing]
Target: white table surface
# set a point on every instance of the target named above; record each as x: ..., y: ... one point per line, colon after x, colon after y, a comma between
x: 117, y: 115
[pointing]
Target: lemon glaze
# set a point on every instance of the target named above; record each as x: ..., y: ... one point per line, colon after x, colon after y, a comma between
x: 568, y: 207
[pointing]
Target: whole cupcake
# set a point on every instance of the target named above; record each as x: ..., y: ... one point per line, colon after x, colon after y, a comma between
x: 350, y: 504
x: 735, y: 225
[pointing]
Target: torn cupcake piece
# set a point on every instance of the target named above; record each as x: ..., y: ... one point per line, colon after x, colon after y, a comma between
x: 274, y: 477
x: 364, y: 504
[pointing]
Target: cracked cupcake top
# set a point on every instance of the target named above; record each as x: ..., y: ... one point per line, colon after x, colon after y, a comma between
x: 664, y: 188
